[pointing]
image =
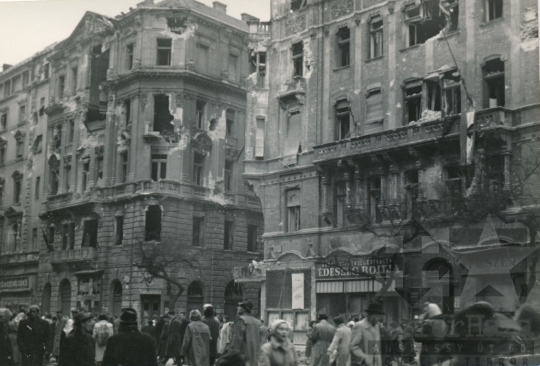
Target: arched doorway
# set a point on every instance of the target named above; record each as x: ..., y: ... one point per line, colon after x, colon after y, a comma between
x: 233, y: 295
x: 115, y: 296
x: 46, y: 299
x: 64, y: 293
x: 440, y: 278
x: 195, y: 296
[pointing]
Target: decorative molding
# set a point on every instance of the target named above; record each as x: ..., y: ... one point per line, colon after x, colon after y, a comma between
x: 342, y: 8
x: 295, y: 24
x: 370, y: 3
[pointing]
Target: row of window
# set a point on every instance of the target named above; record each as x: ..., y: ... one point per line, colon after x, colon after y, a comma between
x: 19, y: 147
x: 17, y: 188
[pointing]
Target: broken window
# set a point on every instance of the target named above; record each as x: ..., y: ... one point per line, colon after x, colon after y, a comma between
x: 298, y: 59
x: 124, y: 161
x: 229, y: 119
x: 22, y: 113
x: 233, y: 61
x: 258, y: 66
x: 344, y: 47
x: 162, y: 115
x: 259, y: 139
x: 298, y: 4
x: 176, y: 25
x: 85, y: 172
x: 3, y: 121
x: 293, y: 210
x: 90, y: 234
x: 451, y: 10
x: 494, y: 83
x: 343, y: 120
x: 164, y: 48
x: 451, y: 93
x: 228, y: 235
x: 202, y: 58
x: 376, y: 37
x: 129, y: 56
x: 228, y: 176
x: 413, y: 101
x: 61, y: 86
x: 68, y: 236
x: 199, y: 114
x: 433, y: 88
x: 71, y: 131
x: 292, y: 139
x: 253, y: 234
x: 159, y: 167
x: 198, y: 163
x: 340, y: 203
x: 198, y: 231
x: 494, y: 9
x: 374, y: 106
x: 152, y: 229
x: 374, y: 199
x: 17, y: 187
x: 74, y: 72
x: 37, y: 188
x: 119, y: 230
x: 411, y: 188
x: 425, y: 20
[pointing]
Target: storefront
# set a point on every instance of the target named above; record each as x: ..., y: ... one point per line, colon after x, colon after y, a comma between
x: 17, y: 292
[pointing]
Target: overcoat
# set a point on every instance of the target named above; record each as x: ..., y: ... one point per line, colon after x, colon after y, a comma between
x: 321, y: 336
x: 341, y: 343
x: 130, y: 347
x: 32, y: 338
x: 197, y: 344
x: 6, y: 352
x: 366, y: 343
x: 77, y: 349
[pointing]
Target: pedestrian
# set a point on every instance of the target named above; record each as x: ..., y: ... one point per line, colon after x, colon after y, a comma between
x: 78, y: 347
x: 309, y: 342
x: 103, y: 330
x: 278, y: 351
x: 196, y: 346
x: 32, y: 338
x: 171, y: 338
x: 408, y: 353
x: 183, y: 326
x: 13, y: 330
x: 116, y: 324
x: 246, y: 341
x: 366, y: 338
x: 213, y: 324
x: 6, y: 352
x: 431, y: 333
x: 321, y: 337
x: 130, y: 347
x: 59, y: 329
x: 225, y: 334
x: 149, y: 329
x: 263, y: 331
x: 341, y: 343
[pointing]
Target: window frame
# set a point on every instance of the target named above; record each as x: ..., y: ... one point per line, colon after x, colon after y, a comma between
x: 198, y: 223
x: 417, y: 97
x: 376, y: 38
x: 374, y: 201
x: 228, y: 175
x: 230, y: 119
x: 118, y: 229
x: 163, y: 52
x: 252, y: 245
x: 228, y: 235
x: 342, y: 115
x: 159, y: 166
x: 343, y: 47
x: 491, y: 14
x: 130, y: 52
x: 298, y: 59
x: 455, y: 90
x: 200, y: 114
x: 490, y: 79
x: 198, y: 169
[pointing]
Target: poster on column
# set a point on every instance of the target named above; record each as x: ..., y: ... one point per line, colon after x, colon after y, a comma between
x: 297, y: 290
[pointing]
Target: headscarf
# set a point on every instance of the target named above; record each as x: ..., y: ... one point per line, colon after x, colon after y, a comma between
x: 433, y: 310
x: 6, y: 313
x: 69, y: 326
x: 275, y: 325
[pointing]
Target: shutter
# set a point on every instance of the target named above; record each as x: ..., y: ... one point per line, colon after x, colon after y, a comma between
x: 374, y: 107
x: 292, y: 140
x: 259, y: 138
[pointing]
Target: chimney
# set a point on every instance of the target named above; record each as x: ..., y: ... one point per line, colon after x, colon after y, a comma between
x: 220, y: 6
x: 5, y: 67
x: 246, y: 18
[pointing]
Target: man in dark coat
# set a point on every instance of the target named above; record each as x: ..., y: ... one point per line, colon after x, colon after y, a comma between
x: 171, y: 338
x: 149, y: 329
x: 78, y: 348
x: 246, y: 339
x: 184, y: 322
x: 210, y: 320
x: 32, y: 338
x: 6, y: 352
x: 130, y: 347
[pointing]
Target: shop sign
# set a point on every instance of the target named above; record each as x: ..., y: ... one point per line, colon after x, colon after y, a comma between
x: 14, y: 283
x: 253, y: 272
x: 354, y: 267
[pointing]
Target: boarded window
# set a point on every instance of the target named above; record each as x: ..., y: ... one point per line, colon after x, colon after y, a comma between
x: 259, y: 139
x: 152, y: 228
x: 374, y: 106
x: 292, y: 140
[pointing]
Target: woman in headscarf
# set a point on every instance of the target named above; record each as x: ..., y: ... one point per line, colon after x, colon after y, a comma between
x: 6, y: 352
x: 279, y: 351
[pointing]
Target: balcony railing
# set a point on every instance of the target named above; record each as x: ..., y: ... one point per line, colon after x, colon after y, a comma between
x: 73, y: 255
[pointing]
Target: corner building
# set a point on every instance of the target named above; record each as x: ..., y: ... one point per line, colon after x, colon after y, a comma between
x: 146, y: 135
x: 356, y: 146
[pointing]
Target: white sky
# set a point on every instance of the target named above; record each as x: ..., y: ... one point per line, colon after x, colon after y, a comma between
x: 27, y: 27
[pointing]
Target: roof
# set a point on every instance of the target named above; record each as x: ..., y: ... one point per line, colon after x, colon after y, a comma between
x: 207, y: 11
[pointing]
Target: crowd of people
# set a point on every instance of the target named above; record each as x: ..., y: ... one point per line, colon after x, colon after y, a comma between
x: 477, y: 335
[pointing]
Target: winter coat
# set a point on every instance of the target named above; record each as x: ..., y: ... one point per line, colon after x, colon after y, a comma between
x: 171, y: 338
x: 60, y: 324
x: 197, y: 344
x: 77, y: 349
x: 321, y: 336
x: 150, y: 330
x: 32, y: 338
x: 274, y: 353
x: 246, y: 339
x: 100, y: 350
x: 341, y: 343
x: 6, y: 352
x: 432, y: 344
x: 213, y: 325
x: 130, y: 348
x: 225, y: 335
x: 366, y: 343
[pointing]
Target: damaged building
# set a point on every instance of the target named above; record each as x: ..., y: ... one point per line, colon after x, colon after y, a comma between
x: 145, y: 148
x: 360, y: 149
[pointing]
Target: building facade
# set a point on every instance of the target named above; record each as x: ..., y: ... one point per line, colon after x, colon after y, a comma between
x: 145, y: 151
x: 360, y: 149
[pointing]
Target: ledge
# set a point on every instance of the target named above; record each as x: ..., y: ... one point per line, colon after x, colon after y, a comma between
x: 491, y: 22
x: 342, y: 68
x: 411, y: 48
x: 374, y: 59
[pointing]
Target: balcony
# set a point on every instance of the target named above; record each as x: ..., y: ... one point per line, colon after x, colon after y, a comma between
x: 74, y: 259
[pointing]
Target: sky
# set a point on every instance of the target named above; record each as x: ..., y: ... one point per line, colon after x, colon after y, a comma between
x: 27, y: 27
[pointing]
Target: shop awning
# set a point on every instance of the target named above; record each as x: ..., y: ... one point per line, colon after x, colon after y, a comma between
x: 353, y: 286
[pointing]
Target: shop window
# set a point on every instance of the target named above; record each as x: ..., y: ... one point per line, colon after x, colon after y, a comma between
x: 494, y: 9
x: 229, y: 119
x: 152, y: 228
x: 298, y: 59
x: 433, y: 89
x: 38, y: 144
x: 293, y: 210
x: 159, y: 167
x: 374, y: 106
x: 202, y: 58
x: 228, y: 176
x: 374, y: 200
x: 494, y: 83
x: 411, y: 189
x: 343, y: 120
x: 34, y: 239
x: 413, y: 101
x: 119, y: 230
x: 162, y: 115
x: 200, y: 107
x: 3, y: 121
x: 339, y: 203
x: 198, y: 231
x: 298, y: 4
x: 129, y: 56
x: 228, y: 235
x: 85, y: 173
x: 258, y: 66
x: 375, y: 37
x: 74, y: 72
x: 259, y: 139
x: 90, y: 234
x: 344, y: 47
x: 198, y: 165
x: 17, y: 186
x: 253, y: 236
x: 233, y: 64
x: 424, y: 20
x: 22, y: 113
x: 68, y: 236
x: 164, y: 48
x: 37, y: 187
x: 124, y: 160
x: 61, y: 86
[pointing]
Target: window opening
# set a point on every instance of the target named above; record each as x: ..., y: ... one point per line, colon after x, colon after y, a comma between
x: 259, y: 139
x: 451, y: 93
x: 42, y: 106
x: 198, y: 163
x: 61, y: 86
x: 85, y: 172
x: 37, y: 188
x: 298, y: 58
x: 202, y: 57
x: 3, y: 121
x: 375, y: 199
x: 90, y: 234
x: 340, y: 204
x: 425, y: 20
x: 164, y: 47
x: 68, y: 236
x: 294, y: 131
x: 152, y: 229
x: 258, y: 66
x: 253, y: 235
x: 198, y: 224
x: 494, y: 9
x: 494, y: 83
x: 411, y: 187
x: 228, y: 176
x: 298, y: 4
x: 413, y: 102
x: 19, y: 147
x: 17, y: 186
x: 50, y: 235
x: 233, y: 61
x: 54, y: 176
x: 67, y: 173
x: 434, y: 95
x: 34, y: 239
x: 293, y: 210
x: 46, y: 69
x: 228, y: 235
x: 230, y: 117
x: 127, y: 108
x: 343, y: 120
x: 376, y: 37
x: 159, y: 167
x: 129, y: 56
x: 119, y: 235
x: 125, y: 161
x: 162, y: 115
x: 22, y: 114
x: 71, y: 133
x: 25, y: 78
x: 2, y: 154
x: 199, y: 114
x: 74, y: 75
x: 99, y: 167
x: 7, y: 88
x: 344, y: 46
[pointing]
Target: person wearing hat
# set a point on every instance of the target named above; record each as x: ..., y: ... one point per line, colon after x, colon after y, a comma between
x: 366, y: 338
x: 130, y: 347
x: 6, y: 352
x: 341, y: 343
x: 213, y: 324
x: 321, y: 338
x: 32, y: 338
x: 78, y: 348
x: 246, y: 340
x: 279, y: 351
x: 196, y: 346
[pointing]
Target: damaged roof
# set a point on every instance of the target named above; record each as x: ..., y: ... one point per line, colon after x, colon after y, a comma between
x: 101, y: 21
x: 207, y: 11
